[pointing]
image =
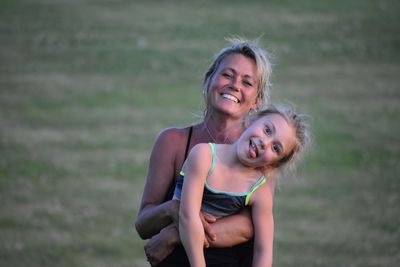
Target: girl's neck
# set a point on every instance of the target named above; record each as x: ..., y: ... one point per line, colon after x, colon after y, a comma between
x: 228, y: 157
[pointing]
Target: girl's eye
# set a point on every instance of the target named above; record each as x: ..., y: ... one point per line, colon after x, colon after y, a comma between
x: 267, y: 130
x: 227, y: 74
x: 276, y: 148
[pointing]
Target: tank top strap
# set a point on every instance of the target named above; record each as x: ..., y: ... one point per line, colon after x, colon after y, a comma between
x: 213, y: 151
x: 214, y: 156
x: 255, y: 186
x: 172, y: 186
x: 188, y: 142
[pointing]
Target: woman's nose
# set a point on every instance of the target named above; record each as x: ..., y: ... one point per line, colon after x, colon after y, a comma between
x: 234, y: 85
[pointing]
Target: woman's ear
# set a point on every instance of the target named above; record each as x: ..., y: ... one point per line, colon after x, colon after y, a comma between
x: 256, y: 104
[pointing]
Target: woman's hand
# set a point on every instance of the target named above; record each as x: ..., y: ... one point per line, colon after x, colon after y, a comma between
x: 210, y: 236
x: 152, y: 218
x: 161, y: 245
x: 173, y: 212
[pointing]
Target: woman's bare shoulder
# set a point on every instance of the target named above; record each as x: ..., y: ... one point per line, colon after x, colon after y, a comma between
x: 172, y: 140
x: 174, y: 133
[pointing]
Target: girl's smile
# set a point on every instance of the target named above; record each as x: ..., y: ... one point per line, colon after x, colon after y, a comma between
x: 266, y: 141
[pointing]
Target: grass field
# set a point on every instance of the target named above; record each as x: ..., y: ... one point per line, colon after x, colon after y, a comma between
x: 85, y: 86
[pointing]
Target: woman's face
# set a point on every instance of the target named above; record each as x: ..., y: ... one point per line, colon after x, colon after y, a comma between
x: 266, y: 141
x: 233, y: 87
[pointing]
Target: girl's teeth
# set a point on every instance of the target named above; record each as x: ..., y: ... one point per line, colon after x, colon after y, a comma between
x: 253, y: 149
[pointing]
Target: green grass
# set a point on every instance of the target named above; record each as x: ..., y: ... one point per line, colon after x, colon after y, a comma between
x: 85, y: 86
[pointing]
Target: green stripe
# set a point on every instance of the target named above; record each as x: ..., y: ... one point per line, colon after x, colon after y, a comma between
x: 213, y: 150
x: 255, y: 187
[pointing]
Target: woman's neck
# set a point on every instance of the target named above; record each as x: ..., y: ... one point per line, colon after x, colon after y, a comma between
x: 223, y: 131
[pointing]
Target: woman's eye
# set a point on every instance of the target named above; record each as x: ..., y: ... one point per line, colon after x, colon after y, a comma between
x: 226, y: 74
x: 247, y: 83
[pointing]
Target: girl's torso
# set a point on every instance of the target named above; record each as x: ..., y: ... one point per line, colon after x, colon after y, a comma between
x: 222, y: 200
x: 234, y: 179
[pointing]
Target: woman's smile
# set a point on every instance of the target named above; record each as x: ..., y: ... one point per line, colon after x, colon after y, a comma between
x: 230, y: 97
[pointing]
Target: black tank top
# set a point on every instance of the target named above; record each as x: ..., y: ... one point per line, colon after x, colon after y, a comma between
x: 171, y: 188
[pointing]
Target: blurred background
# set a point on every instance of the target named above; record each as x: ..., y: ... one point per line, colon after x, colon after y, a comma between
x: 85, y: 87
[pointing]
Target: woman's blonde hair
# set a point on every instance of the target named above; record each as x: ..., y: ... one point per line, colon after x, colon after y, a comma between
x: 249, y: 49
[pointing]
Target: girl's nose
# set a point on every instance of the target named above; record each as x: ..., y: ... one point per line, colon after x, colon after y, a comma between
x: 262, y: 144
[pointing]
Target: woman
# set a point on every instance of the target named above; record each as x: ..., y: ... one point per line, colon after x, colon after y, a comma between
x: 236, y: 83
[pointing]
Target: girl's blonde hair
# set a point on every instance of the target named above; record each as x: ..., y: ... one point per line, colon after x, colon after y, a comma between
x: 300, y: 124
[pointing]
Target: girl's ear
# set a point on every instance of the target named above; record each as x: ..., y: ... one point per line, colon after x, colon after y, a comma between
x: 269, y: 168
x: 272, y: 167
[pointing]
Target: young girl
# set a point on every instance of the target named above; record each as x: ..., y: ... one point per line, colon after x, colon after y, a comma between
x: 222, y: 179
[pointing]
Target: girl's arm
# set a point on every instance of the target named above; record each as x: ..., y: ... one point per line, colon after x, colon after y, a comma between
x: 190, y: 226
x: 263, y: 221
x: 153, y: 214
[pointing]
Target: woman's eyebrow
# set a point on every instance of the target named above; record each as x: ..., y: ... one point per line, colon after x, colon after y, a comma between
x: 247, y: 76
x: 230, y: 69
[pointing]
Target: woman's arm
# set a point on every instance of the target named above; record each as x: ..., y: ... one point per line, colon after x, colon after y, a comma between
x: 190, y: 226
x: 263, y: 221
x: 152, y: 215
x: 229, y: 230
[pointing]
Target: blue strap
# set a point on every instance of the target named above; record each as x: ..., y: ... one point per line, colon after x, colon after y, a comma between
x: 213, y: 150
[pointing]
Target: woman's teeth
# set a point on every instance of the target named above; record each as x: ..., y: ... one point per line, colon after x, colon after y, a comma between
x: 230, y: 97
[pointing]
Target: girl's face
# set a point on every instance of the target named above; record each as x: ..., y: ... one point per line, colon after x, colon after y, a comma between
x: 266, y: 141
x: 234, y: 86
